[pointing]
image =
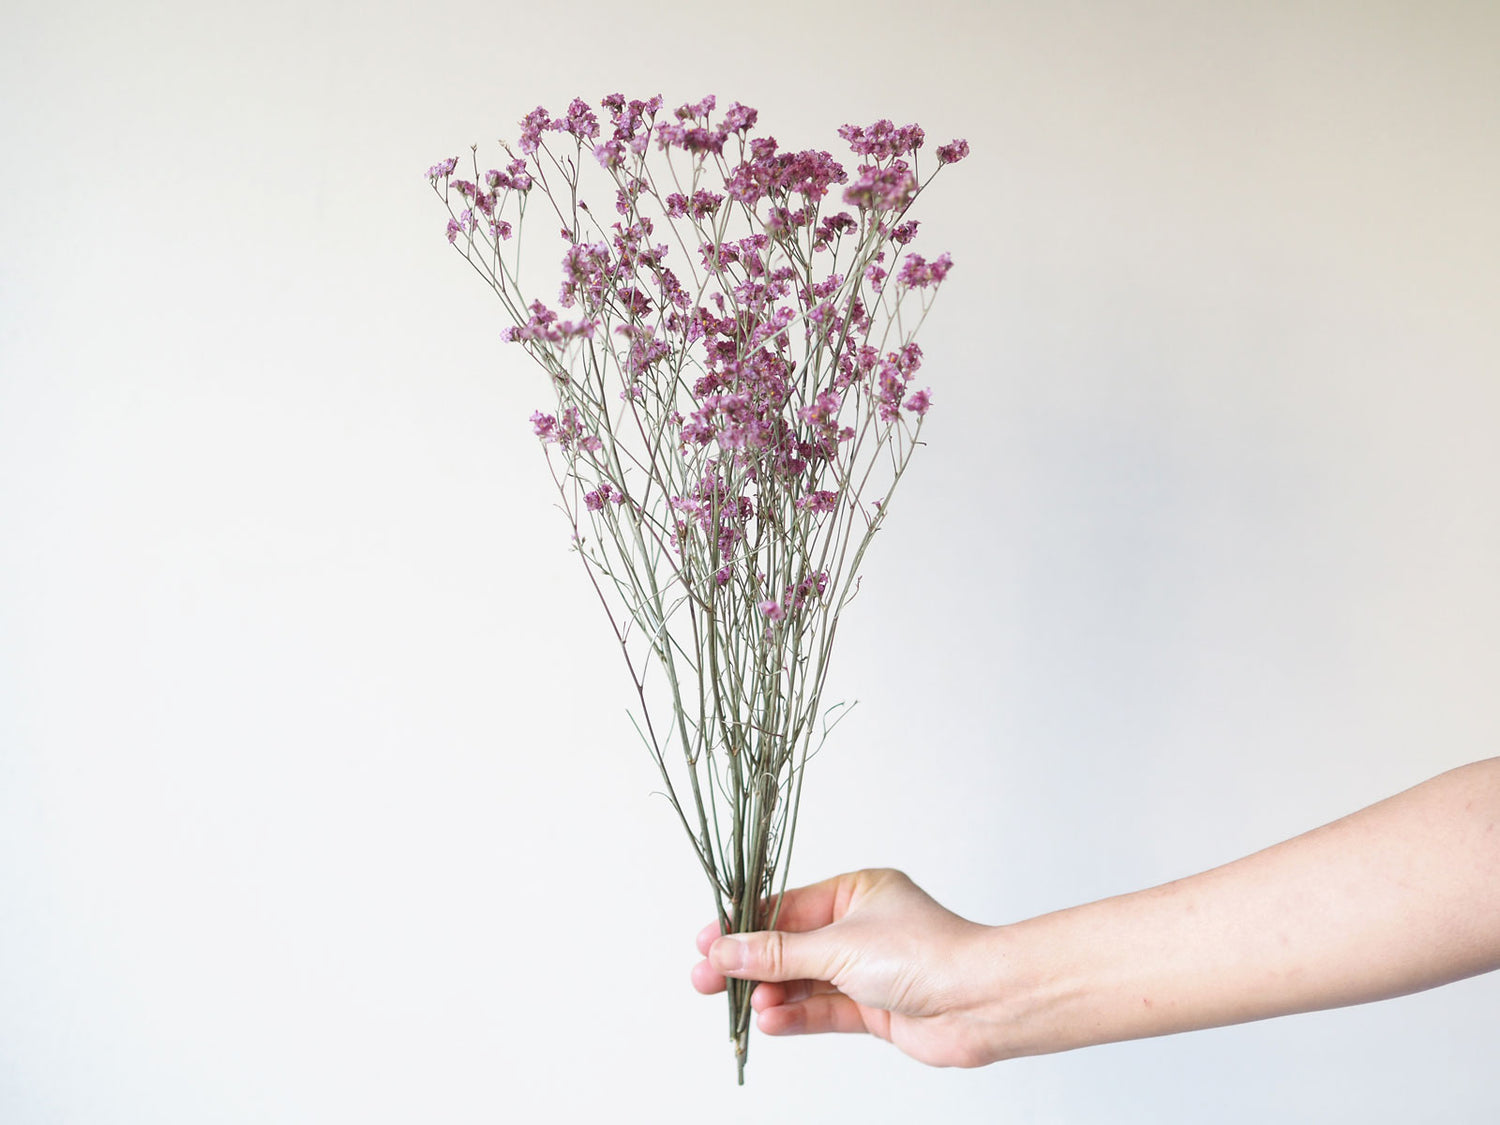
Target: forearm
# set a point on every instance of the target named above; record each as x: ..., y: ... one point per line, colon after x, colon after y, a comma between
x: 1401, y: 896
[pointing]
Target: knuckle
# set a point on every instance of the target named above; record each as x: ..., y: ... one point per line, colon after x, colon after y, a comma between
x: 774, y: 955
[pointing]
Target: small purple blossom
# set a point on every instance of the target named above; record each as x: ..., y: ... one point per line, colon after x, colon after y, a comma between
x: 739, y: 118
x: 580, y: 121
x: 611, y: 153
x: 567, y: 431
x: 883, y: 140
x: 905, y: 232
x: 514, y: 178
x: 439, y: 171
x: 595, y: 499
x: 917, y: 273
x: 819, y: 502
x: 696, y: 111
x: 953, y: 152
x: 773, y: 610
x: 918, y: 403
x: 882, y: 188
x: 812, y: 586
x: 543, y: 326
x: 704, y: 203
x: 532, y: 127
x: 519, y: 179
x: 808, y: 174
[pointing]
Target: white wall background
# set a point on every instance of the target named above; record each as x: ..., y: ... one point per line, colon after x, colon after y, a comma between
x: 317, y: 798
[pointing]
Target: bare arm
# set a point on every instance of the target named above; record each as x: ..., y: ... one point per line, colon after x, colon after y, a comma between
x: 1401, y: 896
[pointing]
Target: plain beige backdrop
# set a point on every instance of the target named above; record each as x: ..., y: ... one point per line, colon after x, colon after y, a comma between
x: 318, y: 801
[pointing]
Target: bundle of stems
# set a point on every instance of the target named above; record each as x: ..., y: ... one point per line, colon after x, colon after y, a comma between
x: 732, y: 413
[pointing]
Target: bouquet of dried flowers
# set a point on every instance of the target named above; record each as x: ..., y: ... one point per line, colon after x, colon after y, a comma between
x: 732, y: 357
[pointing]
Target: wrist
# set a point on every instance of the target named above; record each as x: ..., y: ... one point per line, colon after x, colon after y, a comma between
x: 1020, y: 993
x: 1054, y: 983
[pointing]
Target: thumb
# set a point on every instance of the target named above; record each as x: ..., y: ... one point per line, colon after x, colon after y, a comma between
x: 775, y: 955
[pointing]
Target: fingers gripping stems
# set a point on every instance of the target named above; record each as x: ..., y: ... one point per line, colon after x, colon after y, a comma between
x: 769, y: 956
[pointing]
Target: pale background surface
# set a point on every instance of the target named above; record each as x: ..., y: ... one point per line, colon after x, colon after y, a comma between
x: 317, y: 798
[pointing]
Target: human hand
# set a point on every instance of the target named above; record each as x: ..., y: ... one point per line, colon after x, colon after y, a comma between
x: 869, y: 952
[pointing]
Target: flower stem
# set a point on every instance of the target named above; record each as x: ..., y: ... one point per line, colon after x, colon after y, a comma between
x: 739, y: 1023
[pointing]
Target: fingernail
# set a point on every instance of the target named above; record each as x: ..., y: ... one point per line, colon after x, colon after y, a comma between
x: 728, y: 954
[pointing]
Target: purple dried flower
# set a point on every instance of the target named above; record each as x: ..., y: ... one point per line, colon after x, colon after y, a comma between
x: 739, y: 118
x: 808, y: 174
x: 883, y: 140
x: 919, y: 403
x: 772, y: 610
x: 519, y: 179
x: 513, y: 178
x: 918, y: 273
x: 905, y: 232
x: 597, y: 498
x: 820, y: 501
x: 532, y: 127
x: 882, y: 188
x: 953, y: 151
x: 704, y: 203
x: 695, y: 111
x: 812, y: 586
x: 832, y: 227
x: 611, y: 154
x: 580, y: 121
x: 824, y: 410
x: 438, y: 171
x: 828, y: 286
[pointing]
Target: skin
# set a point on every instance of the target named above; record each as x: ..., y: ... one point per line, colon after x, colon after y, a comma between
x: 1396, y: 898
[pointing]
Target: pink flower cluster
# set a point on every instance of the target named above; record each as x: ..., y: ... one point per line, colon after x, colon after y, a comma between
x: 742, y: 336
x: 544, y: 326
x: 919, y: 273
x: 883, y: 140
x: 777, y: 177
x: 567, y: 431
x: 953, y: 152
x: 595, y: 499
x: 713, y: 508
x: 794, y: 598
x: 578, y: 121
x: 487, y: 203
x: 894, y: 373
